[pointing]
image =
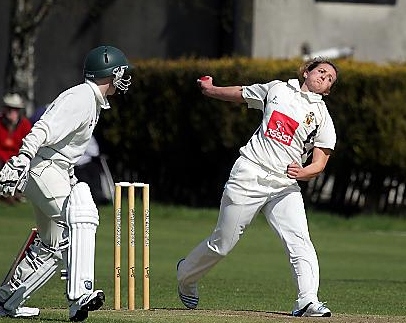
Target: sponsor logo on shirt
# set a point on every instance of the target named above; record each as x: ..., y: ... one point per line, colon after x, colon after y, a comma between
x: 281, y: 128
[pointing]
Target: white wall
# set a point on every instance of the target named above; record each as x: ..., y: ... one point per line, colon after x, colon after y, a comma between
x: 377, y: 32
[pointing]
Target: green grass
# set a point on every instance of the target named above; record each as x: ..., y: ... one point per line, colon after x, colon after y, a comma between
x: 362, y: 261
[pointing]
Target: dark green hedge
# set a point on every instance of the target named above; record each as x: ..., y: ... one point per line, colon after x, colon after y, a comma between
x: 166, y: 133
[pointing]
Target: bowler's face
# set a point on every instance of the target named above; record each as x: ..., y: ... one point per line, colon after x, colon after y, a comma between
x: 320, y: 79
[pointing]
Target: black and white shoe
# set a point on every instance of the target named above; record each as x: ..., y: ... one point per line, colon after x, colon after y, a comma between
x: 190, y: 301
x: 317, y: 309
x: 78, y: 310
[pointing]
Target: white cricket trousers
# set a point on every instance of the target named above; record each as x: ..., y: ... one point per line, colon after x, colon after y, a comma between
x: 48, y: 188
x: 249, y: 190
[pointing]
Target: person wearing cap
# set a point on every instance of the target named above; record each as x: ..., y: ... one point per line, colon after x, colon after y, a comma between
x: 14, y: 126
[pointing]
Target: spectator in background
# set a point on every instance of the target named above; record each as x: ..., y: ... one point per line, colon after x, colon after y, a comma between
x: 14, y: 126
x: 88, y: 170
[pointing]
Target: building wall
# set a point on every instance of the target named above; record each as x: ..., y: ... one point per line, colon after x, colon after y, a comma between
x: 204, y: 28
x: 376, y: 32
x: 142, y: 29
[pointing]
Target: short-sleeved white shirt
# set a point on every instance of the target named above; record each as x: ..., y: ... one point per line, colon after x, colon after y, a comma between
x: 293, y: 123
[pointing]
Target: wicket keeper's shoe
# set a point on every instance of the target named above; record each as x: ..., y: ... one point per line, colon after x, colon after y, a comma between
x: 317, y: 309
x: 78, y: 310
x: 190, y: 301
x: 22, y: 311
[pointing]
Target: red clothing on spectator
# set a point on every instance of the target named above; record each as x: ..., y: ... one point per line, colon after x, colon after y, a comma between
x: 11, y: 141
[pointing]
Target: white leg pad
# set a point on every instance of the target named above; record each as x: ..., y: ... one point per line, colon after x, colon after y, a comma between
x: 32, y: 273
x: 82, y: 218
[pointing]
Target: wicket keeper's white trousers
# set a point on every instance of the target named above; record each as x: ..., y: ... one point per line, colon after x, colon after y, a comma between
x: 249, y: 190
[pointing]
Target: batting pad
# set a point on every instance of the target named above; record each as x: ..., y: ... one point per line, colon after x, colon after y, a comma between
x: 38, y: 266
x: 82, y: 218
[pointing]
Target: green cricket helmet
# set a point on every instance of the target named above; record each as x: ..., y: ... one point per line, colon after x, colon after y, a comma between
x: 105, y: 61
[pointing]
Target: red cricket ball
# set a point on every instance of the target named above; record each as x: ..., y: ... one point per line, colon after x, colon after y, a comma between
x: 204, y: 78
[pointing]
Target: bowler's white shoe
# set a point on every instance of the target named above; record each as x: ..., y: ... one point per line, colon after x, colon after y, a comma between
x: 317, y: 309
x: 78, y: 310
x: 191, y: 300
x: 22, y: 311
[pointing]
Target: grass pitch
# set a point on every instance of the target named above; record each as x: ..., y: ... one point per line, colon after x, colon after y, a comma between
x: 362, y: 263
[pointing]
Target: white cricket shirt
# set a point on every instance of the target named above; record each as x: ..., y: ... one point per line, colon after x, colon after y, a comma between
x: 64, y: 130
x: 293, y: 123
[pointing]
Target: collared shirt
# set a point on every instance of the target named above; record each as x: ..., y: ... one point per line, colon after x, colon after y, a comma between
x: 293, y: 123
x: 64, y: 130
